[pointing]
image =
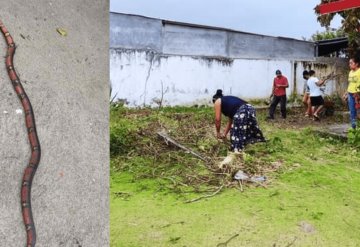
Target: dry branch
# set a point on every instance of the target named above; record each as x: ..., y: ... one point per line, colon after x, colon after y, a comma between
x: 205, y: 196
x: 225, y: 243
x: 168, y: 140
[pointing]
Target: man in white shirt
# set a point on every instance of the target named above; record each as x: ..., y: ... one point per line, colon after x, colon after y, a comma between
x: 317, y: 101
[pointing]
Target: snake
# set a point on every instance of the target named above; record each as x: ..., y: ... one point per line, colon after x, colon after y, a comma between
x: 29, y: 172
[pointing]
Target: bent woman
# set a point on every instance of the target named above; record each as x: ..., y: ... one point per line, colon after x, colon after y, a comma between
x: 242, y: 122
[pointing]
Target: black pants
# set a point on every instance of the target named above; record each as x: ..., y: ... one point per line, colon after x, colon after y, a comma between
x: 275, y: 102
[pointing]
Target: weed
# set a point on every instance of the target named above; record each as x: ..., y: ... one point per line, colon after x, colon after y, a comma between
x: 174, y: 240
x: 275, y: 145
x: 256, y: 102
x: 354, y: 136
x: 316, y: 215
x: 294, y: 98
x: 121, y: 138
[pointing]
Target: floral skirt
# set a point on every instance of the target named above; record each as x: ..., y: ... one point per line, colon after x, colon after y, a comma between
x: 244, y: 129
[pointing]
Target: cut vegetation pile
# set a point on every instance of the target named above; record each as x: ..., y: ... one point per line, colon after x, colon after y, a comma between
x: 138, y: 147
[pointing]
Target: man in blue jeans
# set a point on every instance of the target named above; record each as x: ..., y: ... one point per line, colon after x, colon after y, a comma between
x: 280, y: 84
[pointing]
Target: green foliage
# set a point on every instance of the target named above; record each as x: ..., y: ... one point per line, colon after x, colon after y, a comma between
x: 123, y: 131
x: 275, y: 145
x: 294, y: 98
x: 350, y: 24
x: 354, y: 136
x: 256, y: 102
x: 121, y: 138
x: 339, y: 33
x: 337, y: 101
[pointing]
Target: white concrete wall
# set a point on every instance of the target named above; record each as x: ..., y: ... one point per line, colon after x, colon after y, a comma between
x: 184, y: 63
x: 141, y: 78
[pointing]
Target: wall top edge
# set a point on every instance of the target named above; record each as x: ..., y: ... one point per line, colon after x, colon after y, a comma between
x: 192, y: 25
x: 222, y: 58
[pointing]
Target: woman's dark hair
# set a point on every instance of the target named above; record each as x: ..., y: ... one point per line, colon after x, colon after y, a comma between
x: 356, y: 57
x: 217, y: 95
x: 305, y: 74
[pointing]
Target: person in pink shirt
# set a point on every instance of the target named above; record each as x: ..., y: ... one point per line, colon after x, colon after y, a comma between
x: 279, y: 95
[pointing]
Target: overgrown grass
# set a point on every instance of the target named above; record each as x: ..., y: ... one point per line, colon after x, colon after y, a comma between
x: 312, y: 198
x: 354, y: 136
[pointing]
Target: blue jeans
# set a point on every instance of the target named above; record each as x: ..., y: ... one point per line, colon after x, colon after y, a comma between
x: 353, y: 111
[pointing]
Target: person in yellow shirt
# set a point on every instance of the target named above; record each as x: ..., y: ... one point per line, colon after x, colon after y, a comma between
x: 353, y: 90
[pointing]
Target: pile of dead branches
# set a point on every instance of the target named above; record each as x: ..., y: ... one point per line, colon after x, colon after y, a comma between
x: 180, y: 151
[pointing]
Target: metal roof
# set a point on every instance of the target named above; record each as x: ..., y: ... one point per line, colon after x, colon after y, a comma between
x: 328, y: 46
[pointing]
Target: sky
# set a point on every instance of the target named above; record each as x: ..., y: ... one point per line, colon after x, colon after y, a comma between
x: 286, y: 18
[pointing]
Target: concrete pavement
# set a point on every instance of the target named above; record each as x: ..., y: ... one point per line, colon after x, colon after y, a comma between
x: 66, y: 79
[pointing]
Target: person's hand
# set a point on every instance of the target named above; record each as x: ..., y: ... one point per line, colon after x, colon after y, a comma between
x: 220, y: 136
x: 345, y: 97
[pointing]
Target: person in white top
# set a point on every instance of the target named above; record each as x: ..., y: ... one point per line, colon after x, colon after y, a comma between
x: 317, y: 101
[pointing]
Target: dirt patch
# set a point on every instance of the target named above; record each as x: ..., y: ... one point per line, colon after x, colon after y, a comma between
x: 296, y: 119
x: 307, y: 227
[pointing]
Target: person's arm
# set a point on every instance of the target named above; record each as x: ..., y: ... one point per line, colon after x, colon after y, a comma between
x: 217, y: 107
x: 286, y: 84
x: 273, y: 88
x: 321, y: 82
x: 228, y: 127
x: 345, y: 96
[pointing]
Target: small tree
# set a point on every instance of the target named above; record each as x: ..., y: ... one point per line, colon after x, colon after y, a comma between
x: 328, y: 34
x: 350, y: 24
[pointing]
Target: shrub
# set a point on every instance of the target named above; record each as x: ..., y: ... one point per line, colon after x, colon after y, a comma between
x: 121, y: 138
x: 354, y: 137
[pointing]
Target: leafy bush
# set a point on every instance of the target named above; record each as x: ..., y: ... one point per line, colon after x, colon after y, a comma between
x: 354, y: 137
x: 294, y: 98
x: 121, y: 138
